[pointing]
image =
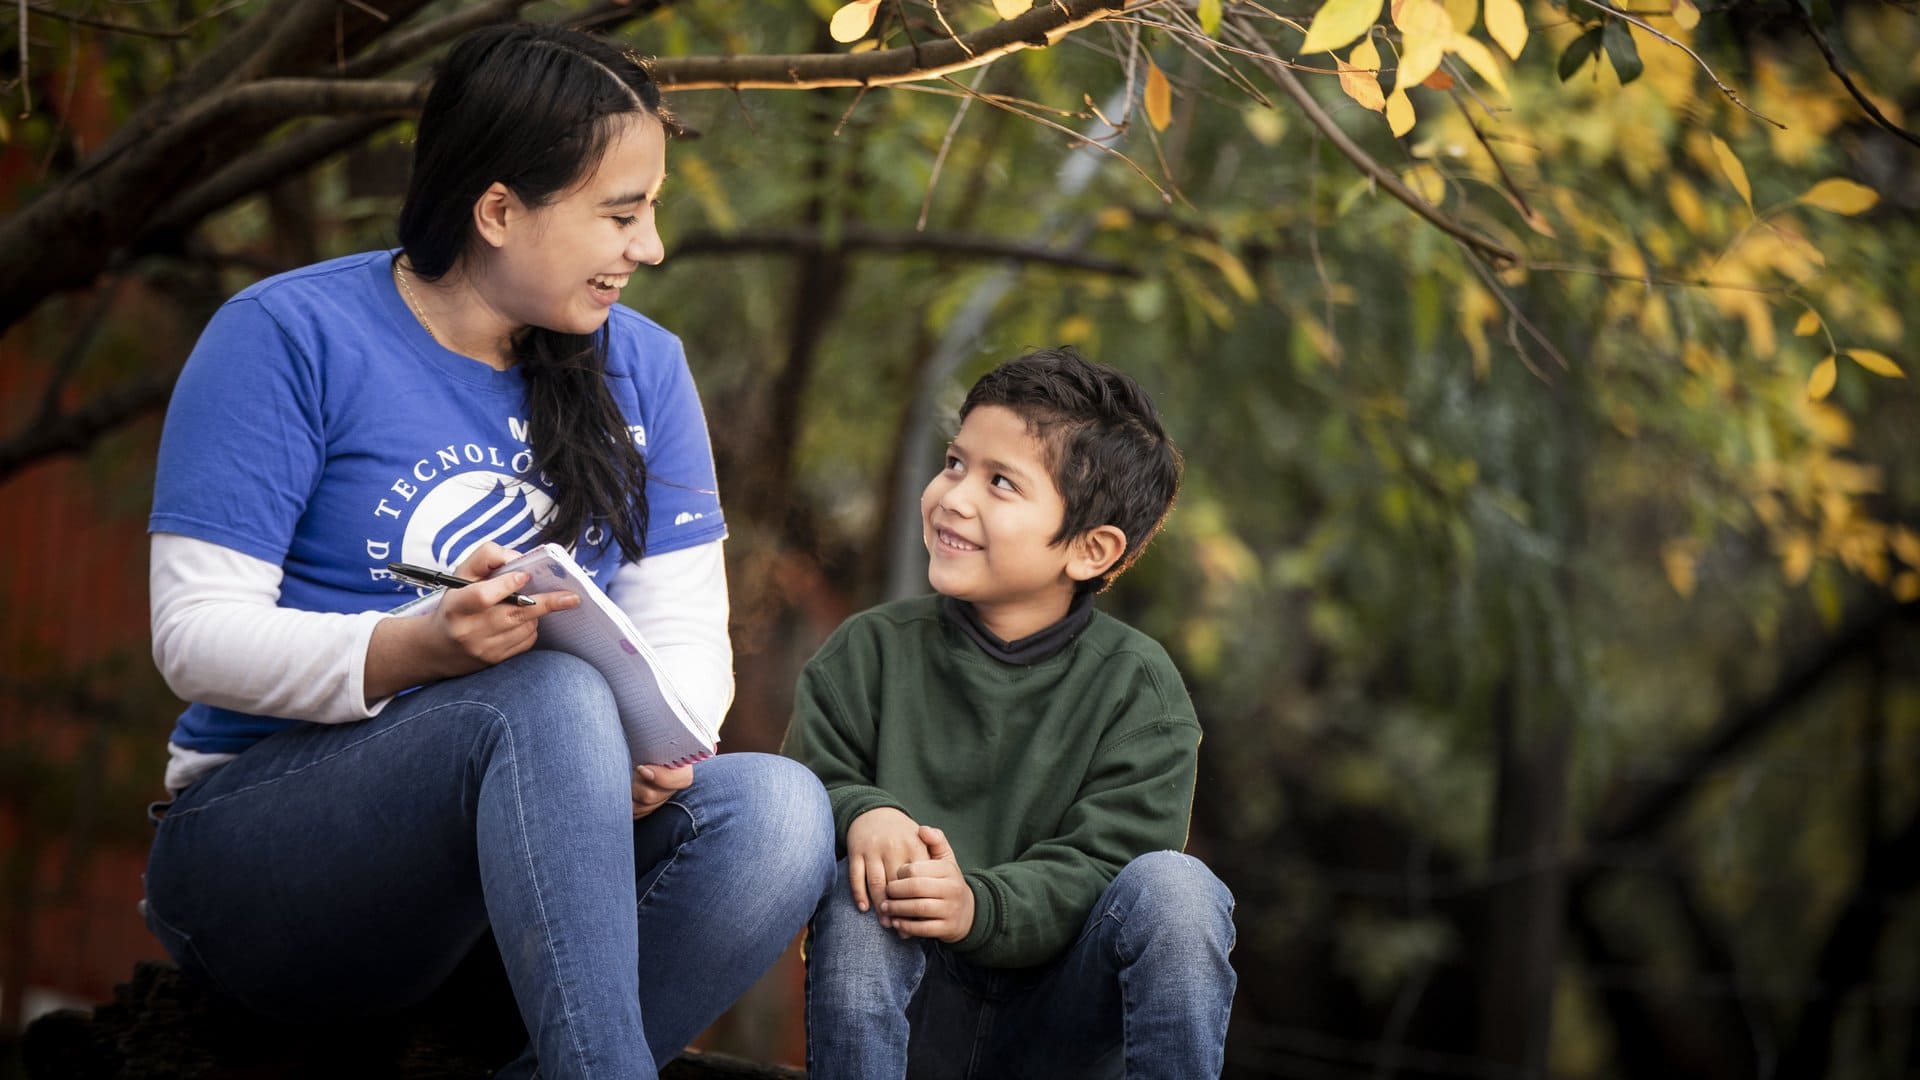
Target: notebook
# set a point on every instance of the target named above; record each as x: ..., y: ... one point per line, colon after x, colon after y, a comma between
x: 660, y: 728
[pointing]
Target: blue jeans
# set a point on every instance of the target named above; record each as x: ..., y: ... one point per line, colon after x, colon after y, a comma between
x: 340, y: 870
x: 1144, y: 992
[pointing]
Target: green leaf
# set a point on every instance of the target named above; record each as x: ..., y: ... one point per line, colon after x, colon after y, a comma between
x: 1622, y: 51
x: 1578, y: 53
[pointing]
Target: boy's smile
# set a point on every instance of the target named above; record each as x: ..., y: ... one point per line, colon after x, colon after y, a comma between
x: 988, y: 521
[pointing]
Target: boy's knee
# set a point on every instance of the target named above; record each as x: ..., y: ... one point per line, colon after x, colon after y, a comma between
x: 1177, y: 892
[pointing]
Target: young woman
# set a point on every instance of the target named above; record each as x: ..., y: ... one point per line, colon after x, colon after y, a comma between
x: 359, y: 798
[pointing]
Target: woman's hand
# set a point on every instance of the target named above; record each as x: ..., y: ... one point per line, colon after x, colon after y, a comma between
x: 653, y: 785
x: 471, y: 629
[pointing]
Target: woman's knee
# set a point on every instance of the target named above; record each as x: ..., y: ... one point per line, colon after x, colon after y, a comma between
x: 773, y: 810
x: 554, y: 713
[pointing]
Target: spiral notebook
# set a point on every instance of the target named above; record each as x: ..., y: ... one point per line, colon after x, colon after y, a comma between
x: 660, y: 728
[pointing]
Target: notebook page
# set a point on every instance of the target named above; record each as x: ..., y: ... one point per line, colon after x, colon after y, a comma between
x: 659, y: 727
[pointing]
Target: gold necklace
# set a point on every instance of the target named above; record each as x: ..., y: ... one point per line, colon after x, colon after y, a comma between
x: 414, y: 301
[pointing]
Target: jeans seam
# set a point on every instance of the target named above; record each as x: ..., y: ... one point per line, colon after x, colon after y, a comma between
x: 1120, y: 975
x: 539, y: 899
x: 187, y: 940
x: 641, y: 901
x: 355, y: 744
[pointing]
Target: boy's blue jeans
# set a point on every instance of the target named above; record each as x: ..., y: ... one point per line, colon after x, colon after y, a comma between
x: 340, y: 870
x: 1144, y: 992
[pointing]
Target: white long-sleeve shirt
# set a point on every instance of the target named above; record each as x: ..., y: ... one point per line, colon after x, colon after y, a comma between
x: 221, y: 638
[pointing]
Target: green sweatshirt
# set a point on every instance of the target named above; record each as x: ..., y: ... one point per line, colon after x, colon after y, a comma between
x: 1046, y: 779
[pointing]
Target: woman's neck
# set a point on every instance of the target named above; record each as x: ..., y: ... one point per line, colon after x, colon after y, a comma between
x: 458, y: 315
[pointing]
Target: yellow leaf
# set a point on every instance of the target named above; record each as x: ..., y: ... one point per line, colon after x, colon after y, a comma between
x: 1809, y: 322
x: 1427, y: 182
x: 865, y: 45
x: 1230, y: 267
x: 1359, y: 76
x: 1399, y: 112
x: 1361, y: 86
x: 1877, y: 362
x: 1506, y: 25
x: 1075, y: 329
x: 852, y: 22
x: 1825, y: 374
x: 1007, y: 9
x: 1265, y: 124
x: 1461, y: 13
x: 1365, y: 56
x: 1113, y: 217
x: 1906, y: 544
x: 1840, y: 196
x: 1159, y: 98
x: 1424, y: 30
x: 1736, y: 172
x: 1686, y: 14
x: 1678, y: 558
x: 1796, y: 558
x: 1481, y: 60
x: 1906, y: 587
x: 1339, y: 22
x: 1209, y: 15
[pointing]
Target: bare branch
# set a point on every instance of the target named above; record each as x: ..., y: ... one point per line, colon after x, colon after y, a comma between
x: 1833, y: 63
x: 1041, y: 26
x: 75, y: 431
x: 946, y: 144
x: 1740, y: 728
x: 262, y: 169
x: 398, y: 48
x: 860, y: 239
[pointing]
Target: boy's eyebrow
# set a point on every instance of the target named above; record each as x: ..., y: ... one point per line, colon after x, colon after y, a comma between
x: 1014, y: 471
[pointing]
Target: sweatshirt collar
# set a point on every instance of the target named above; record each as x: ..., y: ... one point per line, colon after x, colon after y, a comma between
x: 1033, y: 648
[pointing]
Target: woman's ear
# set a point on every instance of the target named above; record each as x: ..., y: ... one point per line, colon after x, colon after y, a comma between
x: 492, y: 212
x: 1095, y: 551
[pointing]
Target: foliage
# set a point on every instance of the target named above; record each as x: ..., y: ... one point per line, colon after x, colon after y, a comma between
x: 1542, y: 386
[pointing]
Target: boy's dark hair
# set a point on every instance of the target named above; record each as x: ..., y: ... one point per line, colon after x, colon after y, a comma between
x: 1104, y: 445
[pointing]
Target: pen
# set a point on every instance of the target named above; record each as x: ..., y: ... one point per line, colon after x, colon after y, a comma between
x: 434, y: 579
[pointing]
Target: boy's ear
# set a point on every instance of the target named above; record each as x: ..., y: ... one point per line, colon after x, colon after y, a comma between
x: 492, y: 210
x: 1095, y: 551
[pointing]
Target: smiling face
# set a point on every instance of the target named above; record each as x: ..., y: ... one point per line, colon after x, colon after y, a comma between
x: 561, y: 266
x: 989, y: 519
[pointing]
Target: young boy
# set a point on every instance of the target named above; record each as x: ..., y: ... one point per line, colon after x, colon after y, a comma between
x: 1011, y: 772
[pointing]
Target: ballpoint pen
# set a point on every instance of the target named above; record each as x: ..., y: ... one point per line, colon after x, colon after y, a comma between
x: 434, y: 579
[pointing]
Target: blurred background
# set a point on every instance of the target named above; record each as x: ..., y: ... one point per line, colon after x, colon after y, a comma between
x: 1545, y: 574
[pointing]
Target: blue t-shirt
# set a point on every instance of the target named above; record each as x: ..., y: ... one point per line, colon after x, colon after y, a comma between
x: 319, y: 427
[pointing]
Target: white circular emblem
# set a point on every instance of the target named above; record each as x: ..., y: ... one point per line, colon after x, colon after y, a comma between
x: 469, y: 509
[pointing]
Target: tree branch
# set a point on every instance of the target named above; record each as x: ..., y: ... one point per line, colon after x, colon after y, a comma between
x: 262, y: 169
x: 1682, y: 46
x: 1039, y: 27
x: 1739, y: 728
x: 1833, y: 63
x: 855, y: 238
x: 1378, y: 173
x: 405, y: 45
x: 74, y: 431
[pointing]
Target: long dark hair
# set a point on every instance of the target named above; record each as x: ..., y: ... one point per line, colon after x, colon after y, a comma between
x: 534, y: 108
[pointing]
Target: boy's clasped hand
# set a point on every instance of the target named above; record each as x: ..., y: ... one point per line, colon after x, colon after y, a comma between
x: 913, y: 872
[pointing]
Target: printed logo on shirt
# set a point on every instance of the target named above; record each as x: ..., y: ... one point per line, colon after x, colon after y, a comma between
x: 470, y: 509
